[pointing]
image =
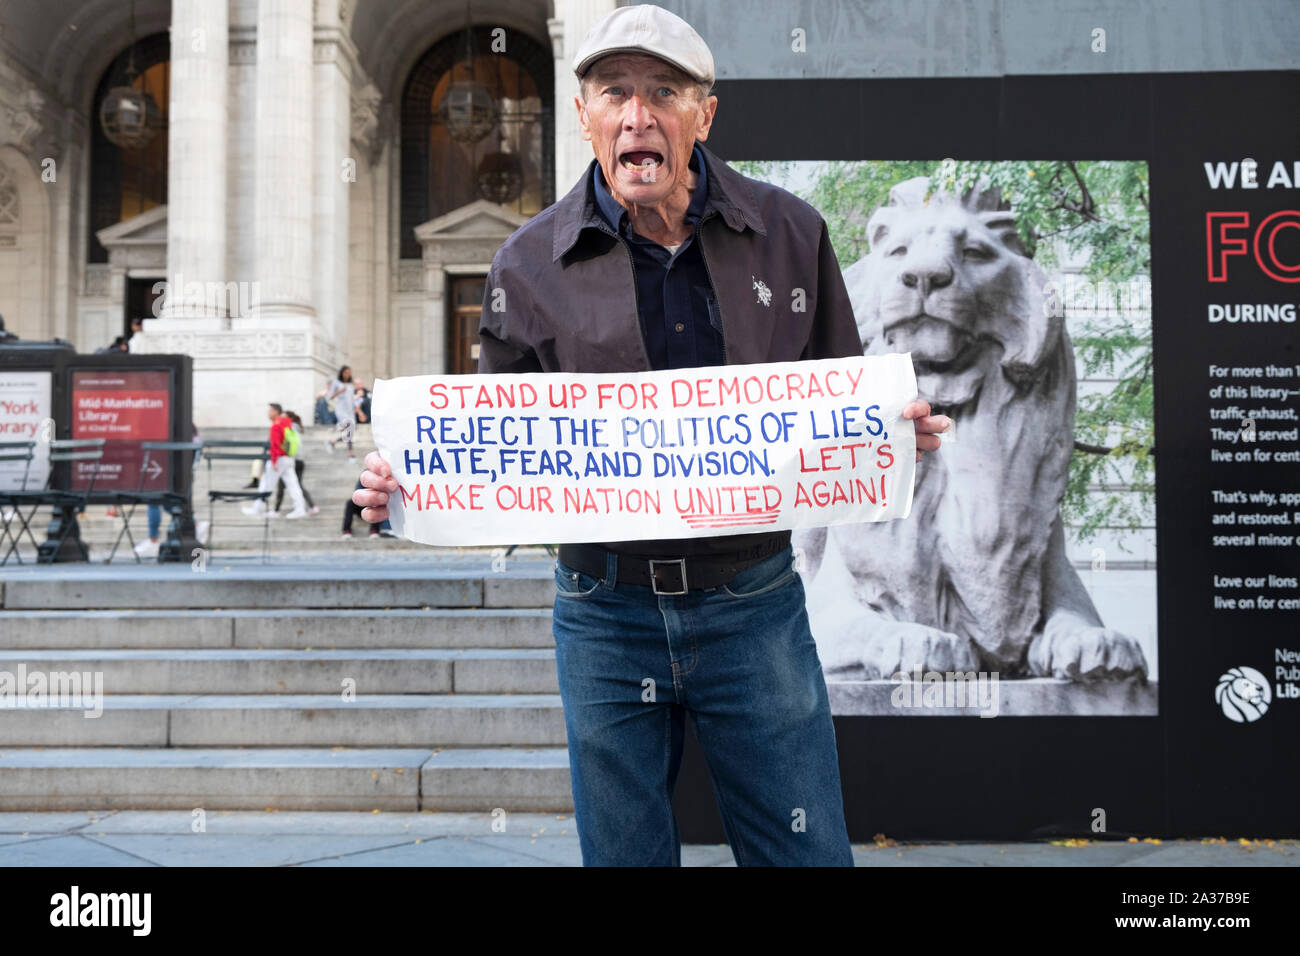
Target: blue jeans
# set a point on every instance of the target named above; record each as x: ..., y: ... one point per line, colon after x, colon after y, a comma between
x: 155, y: 512
x: 741, y: 661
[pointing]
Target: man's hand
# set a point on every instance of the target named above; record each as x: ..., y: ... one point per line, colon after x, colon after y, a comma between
x: 379, y: 484
x: 928, y: 427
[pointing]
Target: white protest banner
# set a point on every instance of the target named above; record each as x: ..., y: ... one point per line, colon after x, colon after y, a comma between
x: 679, y: 453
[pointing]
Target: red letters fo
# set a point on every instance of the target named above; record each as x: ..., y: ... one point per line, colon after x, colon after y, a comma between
x: 1219, y: 245
x: 1267, y: 234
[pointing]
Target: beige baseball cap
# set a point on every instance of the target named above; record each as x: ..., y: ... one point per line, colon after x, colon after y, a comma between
x: 646, y: 28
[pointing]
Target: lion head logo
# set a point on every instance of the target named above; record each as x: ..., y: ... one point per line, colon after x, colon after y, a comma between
x: 1243, y: 694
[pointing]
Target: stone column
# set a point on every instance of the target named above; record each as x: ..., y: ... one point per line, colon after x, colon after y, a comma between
x: 196, y: 164
x: 335, y: 170
x: 283, y: 208
x: 241, y: 149
x: 70, y: 219
x: 568, y: 29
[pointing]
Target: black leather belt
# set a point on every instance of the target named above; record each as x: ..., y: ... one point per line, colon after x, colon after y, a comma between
x: 666, y: 575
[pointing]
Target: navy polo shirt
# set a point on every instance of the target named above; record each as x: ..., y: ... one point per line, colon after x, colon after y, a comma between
x: 675, y: 300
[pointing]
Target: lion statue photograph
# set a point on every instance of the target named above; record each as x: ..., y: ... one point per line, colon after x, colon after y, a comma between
x: 977, y: 578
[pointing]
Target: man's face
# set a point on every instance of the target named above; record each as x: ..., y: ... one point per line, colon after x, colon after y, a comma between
x: 642, y: 117
x: 271, y: 413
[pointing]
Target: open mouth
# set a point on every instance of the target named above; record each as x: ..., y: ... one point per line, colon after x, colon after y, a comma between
x: 938, y: 366
x: 967, y: 351
x: 640, y: 160
x: 937, y: 345
x: 913, y: 321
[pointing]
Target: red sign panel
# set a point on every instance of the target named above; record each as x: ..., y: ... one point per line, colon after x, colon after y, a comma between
x: 125, y: 408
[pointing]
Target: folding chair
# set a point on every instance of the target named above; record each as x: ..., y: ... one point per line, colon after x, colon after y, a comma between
x: 65, y: 501
x: 23, y: 451
x: 128, y: 501
x: 236, y: 451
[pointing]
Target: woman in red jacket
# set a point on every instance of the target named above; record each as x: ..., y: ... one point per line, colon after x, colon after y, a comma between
x: 281, y: 468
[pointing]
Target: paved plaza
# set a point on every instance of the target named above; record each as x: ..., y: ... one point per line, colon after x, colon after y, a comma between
x: 253, y: 838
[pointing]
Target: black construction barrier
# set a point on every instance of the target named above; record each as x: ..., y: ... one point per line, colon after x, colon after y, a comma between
x: 1199, y: 740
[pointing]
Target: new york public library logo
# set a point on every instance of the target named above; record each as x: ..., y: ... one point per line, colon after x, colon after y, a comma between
x: 1244, y: 694
x: 53, y: 689
x: 946, y: 690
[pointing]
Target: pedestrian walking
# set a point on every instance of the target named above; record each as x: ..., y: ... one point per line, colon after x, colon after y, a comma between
x: 150, y: 546
x: 281, y: 466
x: 341, y: 393
x: 298, y: 469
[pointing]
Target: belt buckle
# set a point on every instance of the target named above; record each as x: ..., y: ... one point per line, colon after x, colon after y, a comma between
x: 654, y: 580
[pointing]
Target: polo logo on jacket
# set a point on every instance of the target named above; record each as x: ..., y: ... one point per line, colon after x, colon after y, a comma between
x: 764, y: 293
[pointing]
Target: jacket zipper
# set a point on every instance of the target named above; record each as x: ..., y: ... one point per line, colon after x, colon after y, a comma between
x: 722, y: 321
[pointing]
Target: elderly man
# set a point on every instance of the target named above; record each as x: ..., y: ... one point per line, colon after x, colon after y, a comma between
x: 662, y: 256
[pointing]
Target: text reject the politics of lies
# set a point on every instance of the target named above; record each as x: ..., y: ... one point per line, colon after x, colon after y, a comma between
x: 680, y: 453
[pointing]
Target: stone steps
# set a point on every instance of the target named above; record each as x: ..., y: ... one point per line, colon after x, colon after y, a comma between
x: 290, y: 628
x: 337, y: 778
x: 271, y: 588
x: 224, y: 688
x: 388, y: 671
x: 292, y: 720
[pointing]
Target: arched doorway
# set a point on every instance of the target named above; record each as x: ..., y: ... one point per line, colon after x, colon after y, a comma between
x: 440, y: 174
x: 127, y: 182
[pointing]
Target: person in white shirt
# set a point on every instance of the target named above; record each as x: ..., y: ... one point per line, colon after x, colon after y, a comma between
x: 340, y: 394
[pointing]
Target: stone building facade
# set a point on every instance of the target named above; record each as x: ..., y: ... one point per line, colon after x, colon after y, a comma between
x: 304, y: 199
x: 305, y: 207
